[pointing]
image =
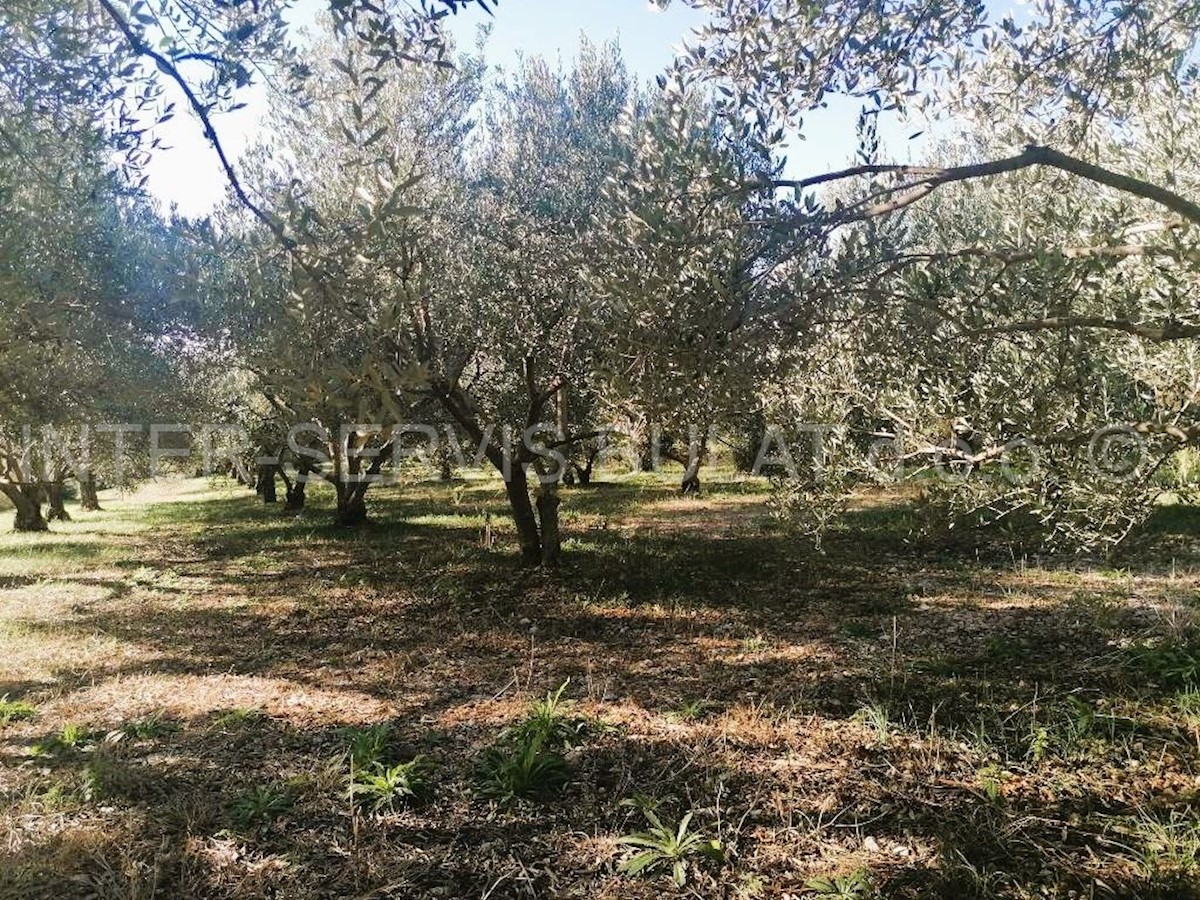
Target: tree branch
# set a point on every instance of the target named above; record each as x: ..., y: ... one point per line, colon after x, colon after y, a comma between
x: 1171, y: 331
x: 141, y: 48
x: 924, y: 180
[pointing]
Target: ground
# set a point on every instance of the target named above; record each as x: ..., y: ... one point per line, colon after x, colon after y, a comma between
x: 191, y: 676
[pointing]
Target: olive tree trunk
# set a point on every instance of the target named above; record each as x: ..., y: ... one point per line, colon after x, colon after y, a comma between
x: 265, y: 484
x: 27, y: 501
x: 57, y: 510
x: 547, y: 507
x: 89, y: 498
x: 529, y: 535
x: 295, y: 495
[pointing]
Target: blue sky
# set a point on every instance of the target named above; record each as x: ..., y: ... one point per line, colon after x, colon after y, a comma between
x: 187, y: 174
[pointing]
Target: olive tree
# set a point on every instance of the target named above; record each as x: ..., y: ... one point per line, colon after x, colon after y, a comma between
x: 1023, y: 284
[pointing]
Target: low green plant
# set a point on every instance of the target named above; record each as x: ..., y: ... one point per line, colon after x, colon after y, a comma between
x: 15, y: 710
x: 149, y: 728
x: 692, y: 710
x: 97, y: 777
x: 754, y: 643
x: 855, y: 885
x: 383, y: 788
x: 642, y: 802
x: 521, y: 768
x: 260, y: 806
x: 1174, y: 665
x: 72, y: 737
x: 233, y: 718
x: 1168, y: 847
x: 991, y: 781
x: 663, y: 846
x: 877, y: 718
x: 550, y: 722
x: 1079, y: 722
x: 1040, y: 743
x: 367, y: 747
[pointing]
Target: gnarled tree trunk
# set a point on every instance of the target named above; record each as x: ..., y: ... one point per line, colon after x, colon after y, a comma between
x: 27, y: 500
x: 690, y: 484
x: 57, y: 510
x: 89, y: 498
x: 691, y: 478
x: 295, y: 491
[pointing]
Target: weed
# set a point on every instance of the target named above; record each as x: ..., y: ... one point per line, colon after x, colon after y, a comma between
x: 1174, y: 665
x: 755, y: 643
x: 876, y: 717
x: 991, y: 780
x: 366, y: 747
x: 642, y: 802
x: 549, y: 722
x: 1169, y: 847
x: 260, y: 806
x: 15, y: 710
x: 1005, y: 648
x: 383, y: 788
x: 72, y: 737
x: 692, y: 710
x: 855, y: 885
x: 522, y: 768
x: 668, y: 846
x: 750, y: 886
x: 235, y: 718
x: 154, y: 726
x: 97, y: 779
x: 1040, y: 743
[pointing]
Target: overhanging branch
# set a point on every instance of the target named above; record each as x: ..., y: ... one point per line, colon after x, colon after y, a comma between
x: 924, y: 180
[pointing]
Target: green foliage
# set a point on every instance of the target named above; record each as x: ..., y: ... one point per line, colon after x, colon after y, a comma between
x: 692, y: 710
x: 1168, y: 846
x: 260, y: 806
x: 385, y: 788
x: 367, y: 747
x: 154, y: 726
x: 851, y: 886
x: 73, y: 736
x: 235, y: 718
x: 1173, y: 665
x: 663, y: 846
x: 15, y: 710
x: 550, y: 723
x: 522, y: 768
x: 878, y: 719
x: 97, y: 778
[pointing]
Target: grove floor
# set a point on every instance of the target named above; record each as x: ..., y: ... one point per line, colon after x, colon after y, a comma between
x: 899, y: 718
